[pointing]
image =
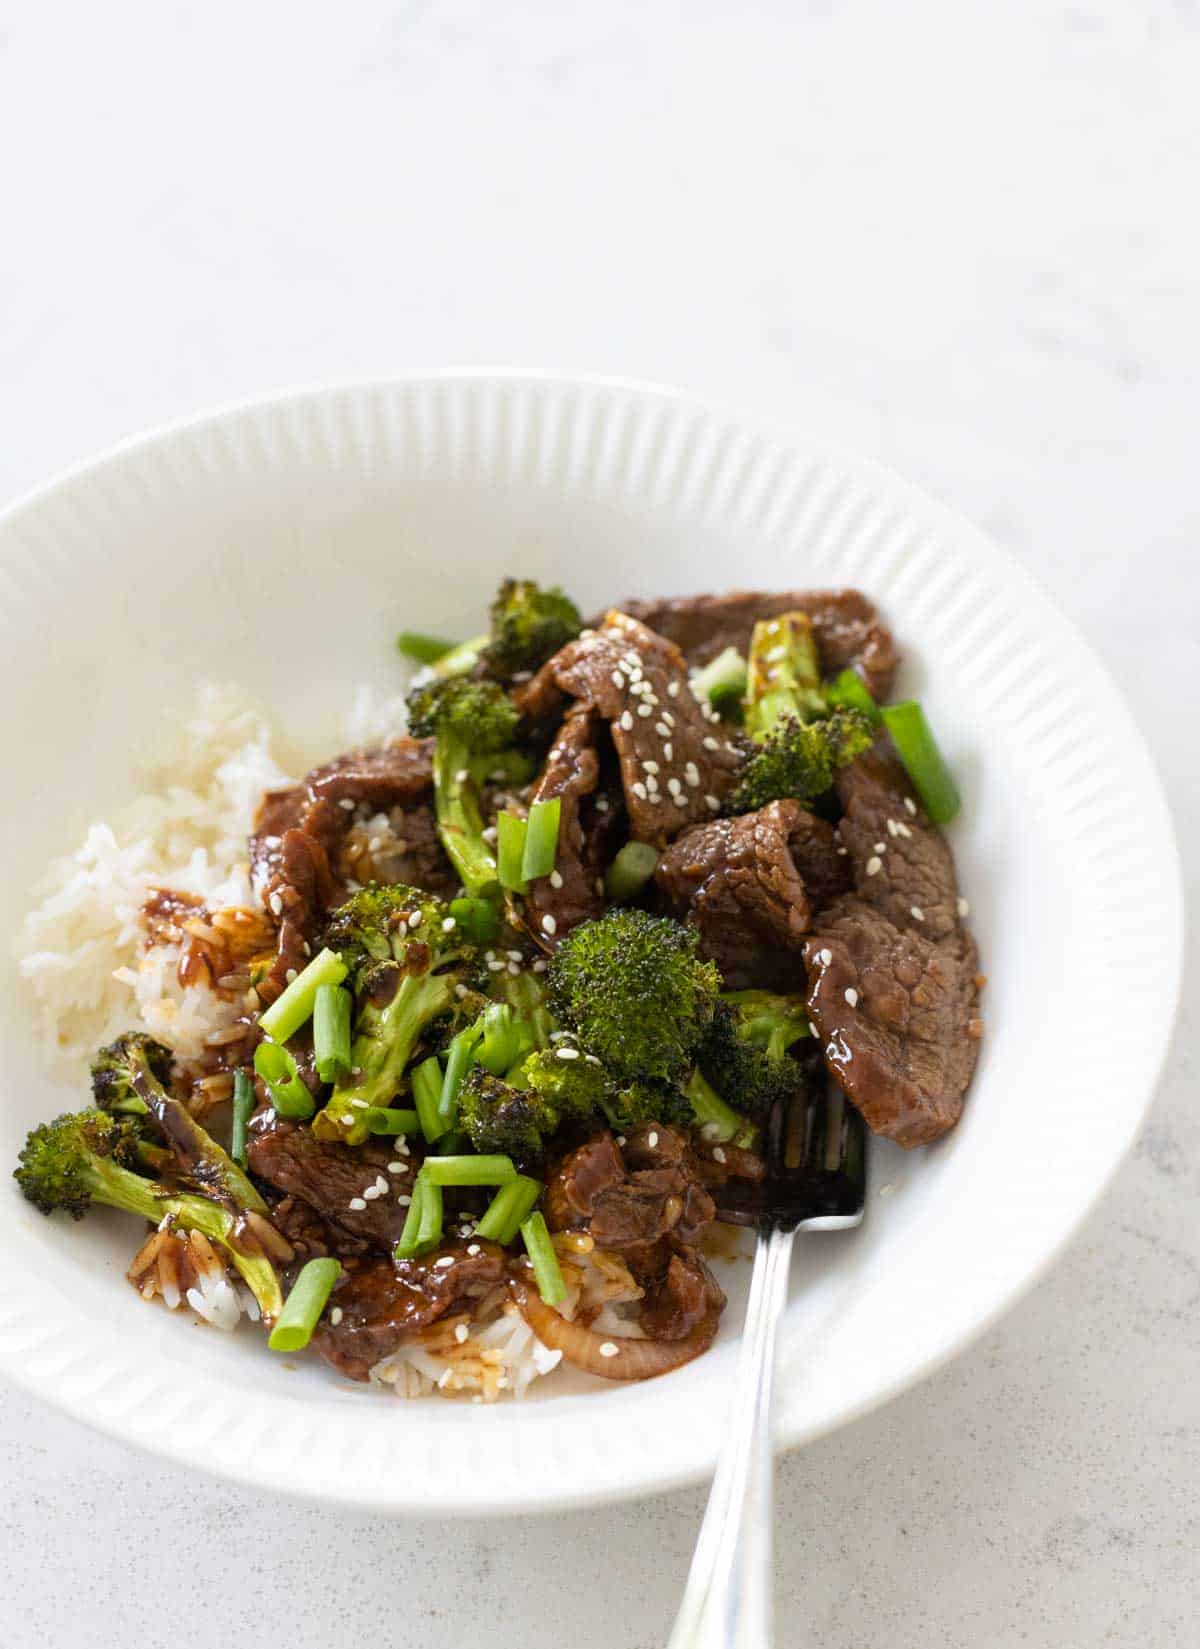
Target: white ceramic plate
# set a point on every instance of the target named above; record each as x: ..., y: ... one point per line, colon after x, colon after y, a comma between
x: 281, y: 544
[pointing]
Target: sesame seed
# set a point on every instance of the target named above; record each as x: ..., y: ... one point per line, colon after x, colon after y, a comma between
x: 608, y: 1349
x: 710, y: 743
x: 825, y: 956
x: 672, y: 689
x: 347, y: 802
x: 650, y: 767
x: 446, y: 1260
x: 395, y: 1167
x: 276, y: 904
x: 462, y: 776
x: 513, y: 955
x: 639, y: 790
x: 417, y: 917
x: 540, y: 965
x: 674, y: 786
x: 917, y: 914
x: 374, y: 843
x: 652, y: 785
x: 460, y: 991
x: 776, y: 654
x: 669, y: 750
x: 357, y: 1204
x: 910, y: 805
x: 692, y: 774
x: 549, y: 925
x: 621, y: 1139
x: 711, y: 1130
x: 851, y: 996
x: 402, y: 1148
x: 290, y: 975
x: 514, y: 968
x: 661, y: 728
x: 680, y: 801
x: 626, y: 721
x: 496, y: 967
x: 489, y: 956
x: 901, y: 828
x: 881, y: 847
x: 617, y: 679
x: 567, y: 1053
x: 360, y: 1104
x: 404, y: 1200
x: 712, y: 804
x: 490, y: 834
x: 462, y: 1333
x: 964, y: 908
x: 874, y: 865
x: 449, y: 923
x: 371, y: 1192
x: 473, y: 1249
x: 652, y: 1139
x: 601, y: 804
x: 381, y: 1184
x: 336, y: 1315
x: 718, y: 1154
x: 647, y: 710
x: 556, y: 879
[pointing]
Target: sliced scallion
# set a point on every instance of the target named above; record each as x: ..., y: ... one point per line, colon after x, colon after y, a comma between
x: 243, y: 1104
x: 629, y: 872
x: 331, y: 1032
x: 381, y: 1120
x: 508, y: 1209
x: 485, y: 1169
x: 409, y: 1244
x: 510, y: 851
x: 294, y: 1008
x: 848, y: 690
x: 460, y: 1056
x: 926, y: 766
x: 546, y: 1271
x: 303, y: 1307
x: 278, y: 1070
x: 429, y: 1232
x: 427, y: 1095
x: 423, y: 649
x: 541, y: 839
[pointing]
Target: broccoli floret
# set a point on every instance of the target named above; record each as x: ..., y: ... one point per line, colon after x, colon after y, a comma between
x: 799, y: 759
x: 529, y: 625
x: 405, y: 967
x: 636, y: 993
x: 129, y: 1077
x: 640, y: 1102
x: 518, y: 1115
x: 473, y: 723
x: 745, y: 1054
x: 87, y: 1157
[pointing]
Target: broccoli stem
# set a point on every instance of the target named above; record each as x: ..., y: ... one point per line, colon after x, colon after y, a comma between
x: 629, y: 872
x: 783, y: 676
x: 381, y: 1054
x: 848, y: 691
x: 717, y: 1120
x: 460, y: 822
x: 118, y: 1187
x: 243, y: 1105
x: 201, y: 1156
x: 722, y: 678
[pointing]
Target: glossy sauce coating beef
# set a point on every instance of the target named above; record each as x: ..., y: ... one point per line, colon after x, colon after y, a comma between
x: 334, y: 1179
x: 591, y: 814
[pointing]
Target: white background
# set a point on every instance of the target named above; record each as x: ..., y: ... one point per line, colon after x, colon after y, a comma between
x: 960, y: 236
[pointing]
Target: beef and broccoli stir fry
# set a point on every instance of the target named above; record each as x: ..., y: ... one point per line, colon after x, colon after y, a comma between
x: 523, y: 987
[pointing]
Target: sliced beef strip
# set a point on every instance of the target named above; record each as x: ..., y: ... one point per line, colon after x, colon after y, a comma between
x: 896, y: 1014
x: 679, y: 1291
x: 278, y: 812
x: 312, y: 1236
x: 677, y: 763
x: 330, y: 1177
x: 413, y: 853
x: 590, y: 818
x: 901, y: 861
x: 382, y: 1304
x: 301, y: 889
x: 847, y: 627
x: 628, y: 1209
x: 742, y: 883
x: 399, y: 771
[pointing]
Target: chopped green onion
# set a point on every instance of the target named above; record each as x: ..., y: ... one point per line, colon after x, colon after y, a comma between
x: 629, y: 872
x: 381, y: 1120
x: 546, y: 1272
x: 505, y: 1041
x: 278, y: 1070
x: 427, y: 1095
x: 459, y: 1058
x: 510, y: 851
x: 294, y: 1008
x: 479, y: 919
x: 541, y: 839
x: 850, y: 691
x: 918, y: 750
x: 423, y: 649
x: 429, y: 1232
x: 331, y: 1032
x: 481, y: 1170
x: 722, y: 678
x: 718, y: 1121
x: 406, y: 1248
x: 243, y: 1104
x: 302, y: 1309
x: 453, y: 1144
x: 508, y: 1209
x: 461, y: 659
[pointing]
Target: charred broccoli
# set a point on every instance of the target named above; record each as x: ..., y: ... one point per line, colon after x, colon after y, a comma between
x: 407, y: 959
x: 87, y: 1157
x: 529, y: 625
x: 640, y: 1102
x: 636, y: 993
x: 518, y: 1115
x: 797, y: 745
x: 129, y: 1077
x: 744, y: 1055
x: 473, y: 724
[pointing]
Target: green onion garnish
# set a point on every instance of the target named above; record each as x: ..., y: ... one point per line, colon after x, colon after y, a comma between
x: 918, y: 750
x: 511, y: 1205
x: 381, y: 1120
x: 423, y: 649
x: 331, y: 1032
x: 505, y: 1040
x: 427, y: 1094
x: 479, y: 919
x: 541, y: 839
x: 406, y: 1248
x: 243, y: 1104
x: 429, y: 1232
x: 304, y: 1305
x: 484, y: 1169
x: 278, y: 1070
x: 459, y: 1058
x: 546, y: 1272
x: 510, y: 851
x: 722, y: 678
x: 294, y: 1008
x: 850, y: 690
x: 453, y: 1144
x: 629, y: 872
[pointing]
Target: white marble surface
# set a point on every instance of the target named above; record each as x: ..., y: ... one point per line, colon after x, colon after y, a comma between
x: 961, y: 236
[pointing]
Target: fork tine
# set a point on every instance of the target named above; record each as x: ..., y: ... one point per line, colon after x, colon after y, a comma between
x: 815, y: 1144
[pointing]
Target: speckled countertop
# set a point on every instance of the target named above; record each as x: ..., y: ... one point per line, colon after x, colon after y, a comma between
x: 960, y: 236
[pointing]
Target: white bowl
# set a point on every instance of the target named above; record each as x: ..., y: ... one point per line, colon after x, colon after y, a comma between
x: 282, y: 544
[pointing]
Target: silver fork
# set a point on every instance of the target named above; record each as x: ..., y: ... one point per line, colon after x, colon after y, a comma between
x: 816, y: 1152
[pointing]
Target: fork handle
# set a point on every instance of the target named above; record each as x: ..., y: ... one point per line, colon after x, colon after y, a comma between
x: 728, y: 1602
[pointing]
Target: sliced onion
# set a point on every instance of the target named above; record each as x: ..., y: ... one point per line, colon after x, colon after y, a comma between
x: 632, y: 1360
